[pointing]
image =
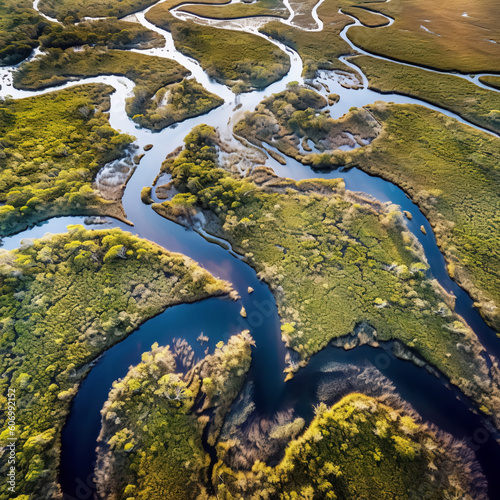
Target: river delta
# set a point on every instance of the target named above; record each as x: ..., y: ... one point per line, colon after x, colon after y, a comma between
x: 250, y: 250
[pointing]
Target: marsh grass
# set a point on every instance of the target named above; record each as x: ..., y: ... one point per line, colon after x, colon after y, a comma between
x: 226, y: 55
x: 151, y: 440
x: 451, y: 41
x: 464, y: 98
x: 333, y: 260
x: 357, y: 447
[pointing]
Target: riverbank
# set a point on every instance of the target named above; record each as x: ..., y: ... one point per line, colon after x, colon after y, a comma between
x: 53, y: 339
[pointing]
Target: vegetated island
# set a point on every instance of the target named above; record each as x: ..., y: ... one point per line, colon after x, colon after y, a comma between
x: 437, y: 160
x: 162, y: 94
x: 154, y: 423
x: 318, y: 49
x: 154, y: 444
x: 230, y: 57
x: 65, y: 299
x: 49, y: 171
x: 237, y: 11
x: 355, y: 255
x: 22, y: 29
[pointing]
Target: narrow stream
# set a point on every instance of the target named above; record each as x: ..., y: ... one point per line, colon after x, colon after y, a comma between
x: 219, y: 318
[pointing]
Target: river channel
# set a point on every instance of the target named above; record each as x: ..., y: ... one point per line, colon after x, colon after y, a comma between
x: 430, y: 396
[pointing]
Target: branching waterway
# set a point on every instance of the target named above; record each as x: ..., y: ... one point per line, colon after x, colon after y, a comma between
x: 430, y: 396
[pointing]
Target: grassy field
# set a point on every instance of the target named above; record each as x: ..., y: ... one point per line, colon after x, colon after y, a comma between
x: 154, y: 78
x: 356, y: 256
x: 359, y: 448
x: 459, y: 35
x: 450, y: 170
x: 70, y: 11
x: 227, y: 56
x: 65, y: 299
x: 233, y: 11
x: 48, y: 170
x: 492, y: 81
x: 460, y: 96
x: 155, y: 450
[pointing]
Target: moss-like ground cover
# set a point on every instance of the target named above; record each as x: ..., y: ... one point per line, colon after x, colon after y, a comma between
x: 65, y: 299
x: 359, y: 448
x: 452, y: 35
x: 226, y: 55
x: 151, y: 440
x: 332, y: 259
x: 48, y: 170
x: 22, y: 29
x: 452, y: 172
x: 154, y: 77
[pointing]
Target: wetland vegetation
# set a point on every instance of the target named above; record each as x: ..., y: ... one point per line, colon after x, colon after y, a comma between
x: 342, y: 266
x: 475, y: 104
x: 437, y: 160
x: 454, y: 35
x: 227, y: 56
x: 65, y: 299
x: 50, y: 170
x: 153, y: 422
x: 355, y: 255
x: 162, y: 95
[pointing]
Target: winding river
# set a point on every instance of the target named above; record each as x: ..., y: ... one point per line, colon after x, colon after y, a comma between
x: 431, y: 397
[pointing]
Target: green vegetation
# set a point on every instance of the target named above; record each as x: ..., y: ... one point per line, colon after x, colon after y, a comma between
x: 20, y: 26
x: 155, y: 78
x: 235, y: 11
x: 227, y: 56
x: 111, y: 32
x: 65, y: 299
x: 436, y: 35
x: 70, y: 11
x: 438, y: 161
x: 492, y: 81
x: 356, y: 256
x: 22, y: 29
x: 452, y: 172
x: 294, y: 115
x: 48, y: 170
x: 320, y: 49
x: 465, y: 98
x: 359, y: 448
x: 175, y: 103
x: 151, y: 439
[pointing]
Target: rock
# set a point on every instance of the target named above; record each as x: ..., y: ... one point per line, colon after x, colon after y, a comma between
x: 249, y: 289
x: 422, y: 228
x: 243, y: 312
x: 147, y: 147
x: 408, y: 215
